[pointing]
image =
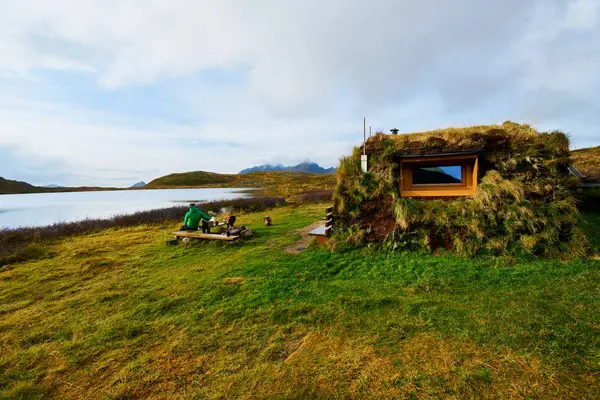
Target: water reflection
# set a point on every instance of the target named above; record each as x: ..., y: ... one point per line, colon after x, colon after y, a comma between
x: 48, y: 208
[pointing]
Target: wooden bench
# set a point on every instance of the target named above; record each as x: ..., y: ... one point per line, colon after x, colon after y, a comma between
x: 206, y: 236
x: 322, y: 233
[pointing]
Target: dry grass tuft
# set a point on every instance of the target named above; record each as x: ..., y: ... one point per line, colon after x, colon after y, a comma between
x: 425, y: 366
x: 234, y: 280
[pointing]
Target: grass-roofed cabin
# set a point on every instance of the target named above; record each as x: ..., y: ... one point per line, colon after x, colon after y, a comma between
x: 499, y: 189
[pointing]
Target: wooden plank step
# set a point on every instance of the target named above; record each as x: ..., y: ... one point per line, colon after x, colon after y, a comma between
x: 329, y: 209
x: 208, y: 236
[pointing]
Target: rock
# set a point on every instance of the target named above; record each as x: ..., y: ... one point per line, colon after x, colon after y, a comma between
x: 247, y: 233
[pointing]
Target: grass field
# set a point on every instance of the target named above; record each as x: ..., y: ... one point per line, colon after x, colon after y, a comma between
x: 120, y: 315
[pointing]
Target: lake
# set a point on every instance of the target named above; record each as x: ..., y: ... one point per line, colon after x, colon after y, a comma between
x: 41, y: 209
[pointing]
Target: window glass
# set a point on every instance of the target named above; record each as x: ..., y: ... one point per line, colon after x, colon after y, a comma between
x: 437, y: 175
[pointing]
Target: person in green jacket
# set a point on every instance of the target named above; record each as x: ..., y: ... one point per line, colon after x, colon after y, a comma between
x: 192, y: 219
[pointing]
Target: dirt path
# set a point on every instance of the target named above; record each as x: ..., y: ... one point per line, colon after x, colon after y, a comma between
x: 304, y: 240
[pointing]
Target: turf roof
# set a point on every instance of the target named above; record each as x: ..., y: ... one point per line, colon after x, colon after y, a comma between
x: 454, y: 140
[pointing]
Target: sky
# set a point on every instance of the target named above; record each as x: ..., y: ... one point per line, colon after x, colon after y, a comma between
x: 111, y: 92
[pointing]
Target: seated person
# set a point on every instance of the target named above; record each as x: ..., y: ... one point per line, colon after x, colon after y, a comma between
x: 192, y: 219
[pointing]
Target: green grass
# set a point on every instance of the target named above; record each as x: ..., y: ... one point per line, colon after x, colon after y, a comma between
x: 591, y: 226
x: 118, y: 314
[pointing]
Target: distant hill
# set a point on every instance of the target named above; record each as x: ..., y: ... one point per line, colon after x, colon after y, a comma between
x: 196, y: 178
x: 138, y: 184
x: 284, y: 182
x: 8, y: 186
x: 587, y: 161
x: 52, y: 186
x: 279, y: 182
x: 310, y: 167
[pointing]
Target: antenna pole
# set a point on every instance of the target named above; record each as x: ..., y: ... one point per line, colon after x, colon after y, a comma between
x: 369, y: 130
x: 364, y: 135
x: 363, y: 157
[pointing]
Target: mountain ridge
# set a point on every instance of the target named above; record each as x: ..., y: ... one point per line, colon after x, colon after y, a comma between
x: 307, y: 166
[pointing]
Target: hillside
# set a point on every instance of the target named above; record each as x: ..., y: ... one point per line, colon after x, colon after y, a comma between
x: 280, y: 182
x: 187, y: 179
x: 587, y: 161
x: 302, y: 167
x: 8, y: 186
x: 274, y: 182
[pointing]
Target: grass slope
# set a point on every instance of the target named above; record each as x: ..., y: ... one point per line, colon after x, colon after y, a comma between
x: 587, y: 161
x: 196, y: 178
x: 277, y: 182
x: 118, y: 314
x: 8, y: 186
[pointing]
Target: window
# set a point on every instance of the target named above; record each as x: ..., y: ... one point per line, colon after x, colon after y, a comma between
x: 439, y: 176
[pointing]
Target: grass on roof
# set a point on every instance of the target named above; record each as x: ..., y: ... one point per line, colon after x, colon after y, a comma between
x: 465, y: 138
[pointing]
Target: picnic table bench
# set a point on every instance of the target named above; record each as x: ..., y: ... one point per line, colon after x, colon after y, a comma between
x: 207, y: 236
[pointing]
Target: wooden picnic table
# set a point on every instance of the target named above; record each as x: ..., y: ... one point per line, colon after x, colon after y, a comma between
x: 206, y: 236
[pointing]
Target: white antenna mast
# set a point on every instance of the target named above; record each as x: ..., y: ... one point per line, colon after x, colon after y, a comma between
x: 364, y: 136
x: 363, y: 157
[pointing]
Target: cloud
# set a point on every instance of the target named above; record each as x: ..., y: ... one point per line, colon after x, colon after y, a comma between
x: 161, y: 86
x: 582, y: 15
x: 17, y: 165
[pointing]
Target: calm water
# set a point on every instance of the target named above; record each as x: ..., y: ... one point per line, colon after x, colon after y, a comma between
x: 47, y: 208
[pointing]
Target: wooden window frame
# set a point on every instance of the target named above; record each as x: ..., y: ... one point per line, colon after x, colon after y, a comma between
x: 468, y: 186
